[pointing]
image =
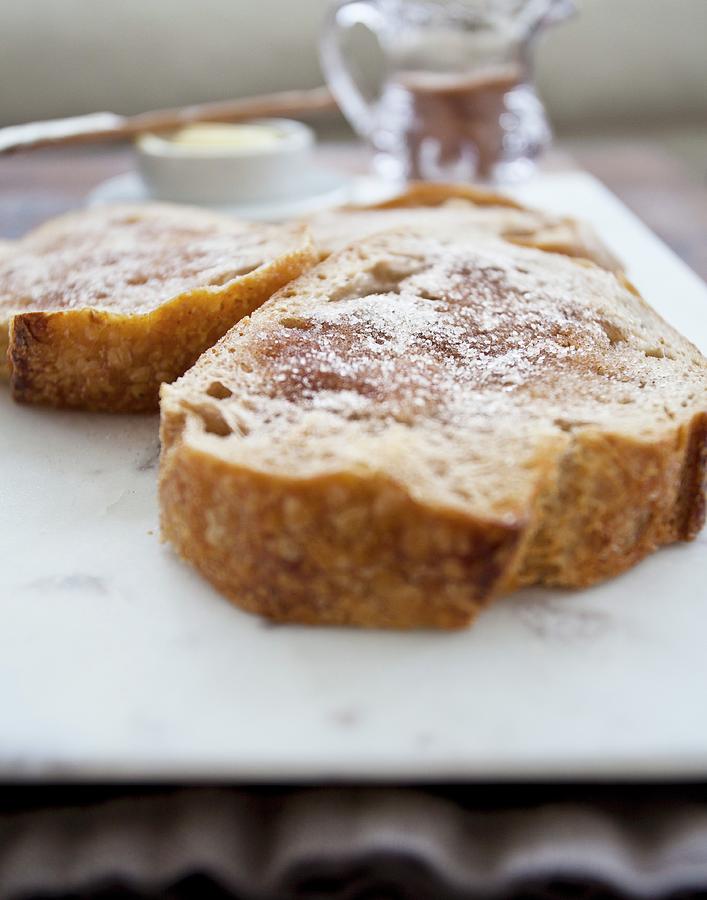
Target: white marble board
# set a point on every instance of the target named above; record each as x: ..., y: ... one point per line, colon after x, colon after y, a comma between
x: 117, y: 661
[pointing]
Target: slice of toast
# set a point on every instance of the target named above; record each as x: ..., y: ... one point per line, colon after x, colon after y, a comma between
x: 101, y: 306
x: 429, y: 206
x: 423, y: 422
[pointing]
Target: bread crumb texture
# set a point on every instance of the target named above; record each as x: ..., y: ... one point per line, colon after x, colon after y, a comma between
x: 423, y: 422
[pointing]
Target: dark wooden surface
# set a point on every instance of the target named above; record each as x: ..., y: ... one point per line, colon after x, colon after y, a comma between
x: 656, y: 185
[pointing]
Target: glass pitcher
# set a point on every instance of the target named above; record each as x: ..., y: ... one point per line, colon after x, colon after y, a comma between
x: 456, y: 101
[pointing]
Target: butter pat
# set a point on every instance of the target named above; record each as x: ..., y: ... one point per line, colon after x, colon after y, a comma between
x: 214, y: 138
x: 221, y: 135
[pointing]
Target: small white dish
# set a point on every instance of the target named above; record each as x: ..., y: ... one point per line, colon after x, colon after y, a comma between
x: 317, y: 189
x: 254, y: 162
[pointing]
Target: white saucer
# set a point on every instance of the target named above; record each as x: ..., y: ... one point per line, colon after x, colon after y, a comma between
x: 317, y: 189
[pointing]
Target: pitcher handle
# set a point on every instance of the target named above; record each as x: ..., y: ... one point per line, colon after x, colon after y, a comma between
x: 360, y: 112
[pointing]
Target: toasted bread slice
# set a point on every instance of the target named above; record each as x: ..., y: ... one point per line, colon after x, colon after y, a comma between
x: 423, y: 422
x: 464, y: 207
x: 104, y: 304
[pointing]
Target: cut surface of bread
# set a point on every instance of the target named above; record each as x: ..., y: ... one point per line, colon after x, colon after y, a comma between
x: 102, y: 305
x: 421, y: 423
x: 468, y: 209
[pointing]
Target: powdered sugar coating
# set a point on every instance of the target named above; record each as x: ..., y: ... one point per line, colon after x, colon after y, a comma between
x: 132, y: 259
x: 457, y: 329
x: 454, y: 363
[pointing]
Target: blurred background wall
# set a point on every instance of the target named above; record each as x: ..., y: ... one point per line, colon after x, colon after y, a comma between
x: 620, y: 63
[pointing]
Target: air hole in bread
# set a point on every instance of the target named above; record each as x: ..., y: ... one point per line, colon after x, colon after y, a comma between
x: 346, y: 292
x: 387, y: 272
x: 383, y: 277
x: 246, y: 367
x: 212, y: 420
x: 425, y: 295
x: 138, y: 279
x: 218, y: 390
x: 614, y: 332
x: 225, y: 277
x: 295, y: 322
x: 570, y: 424
x: 658, y: 353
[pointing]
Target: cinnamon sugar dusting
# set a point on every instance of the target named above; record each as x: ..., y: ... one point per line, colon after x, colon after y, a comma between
x: 460, y: 332
x: 131, y: 259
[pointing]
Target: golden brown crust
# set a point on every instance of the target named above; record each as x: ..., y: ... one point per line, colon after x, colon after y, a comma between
x: 111, y: 361
x: 613, y: 501
x: 692, y: 494
x: 431, y: 193
x: 494, y: 214
x: 4, y: 350
x: 343, y: 550
x: 334, y: 550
